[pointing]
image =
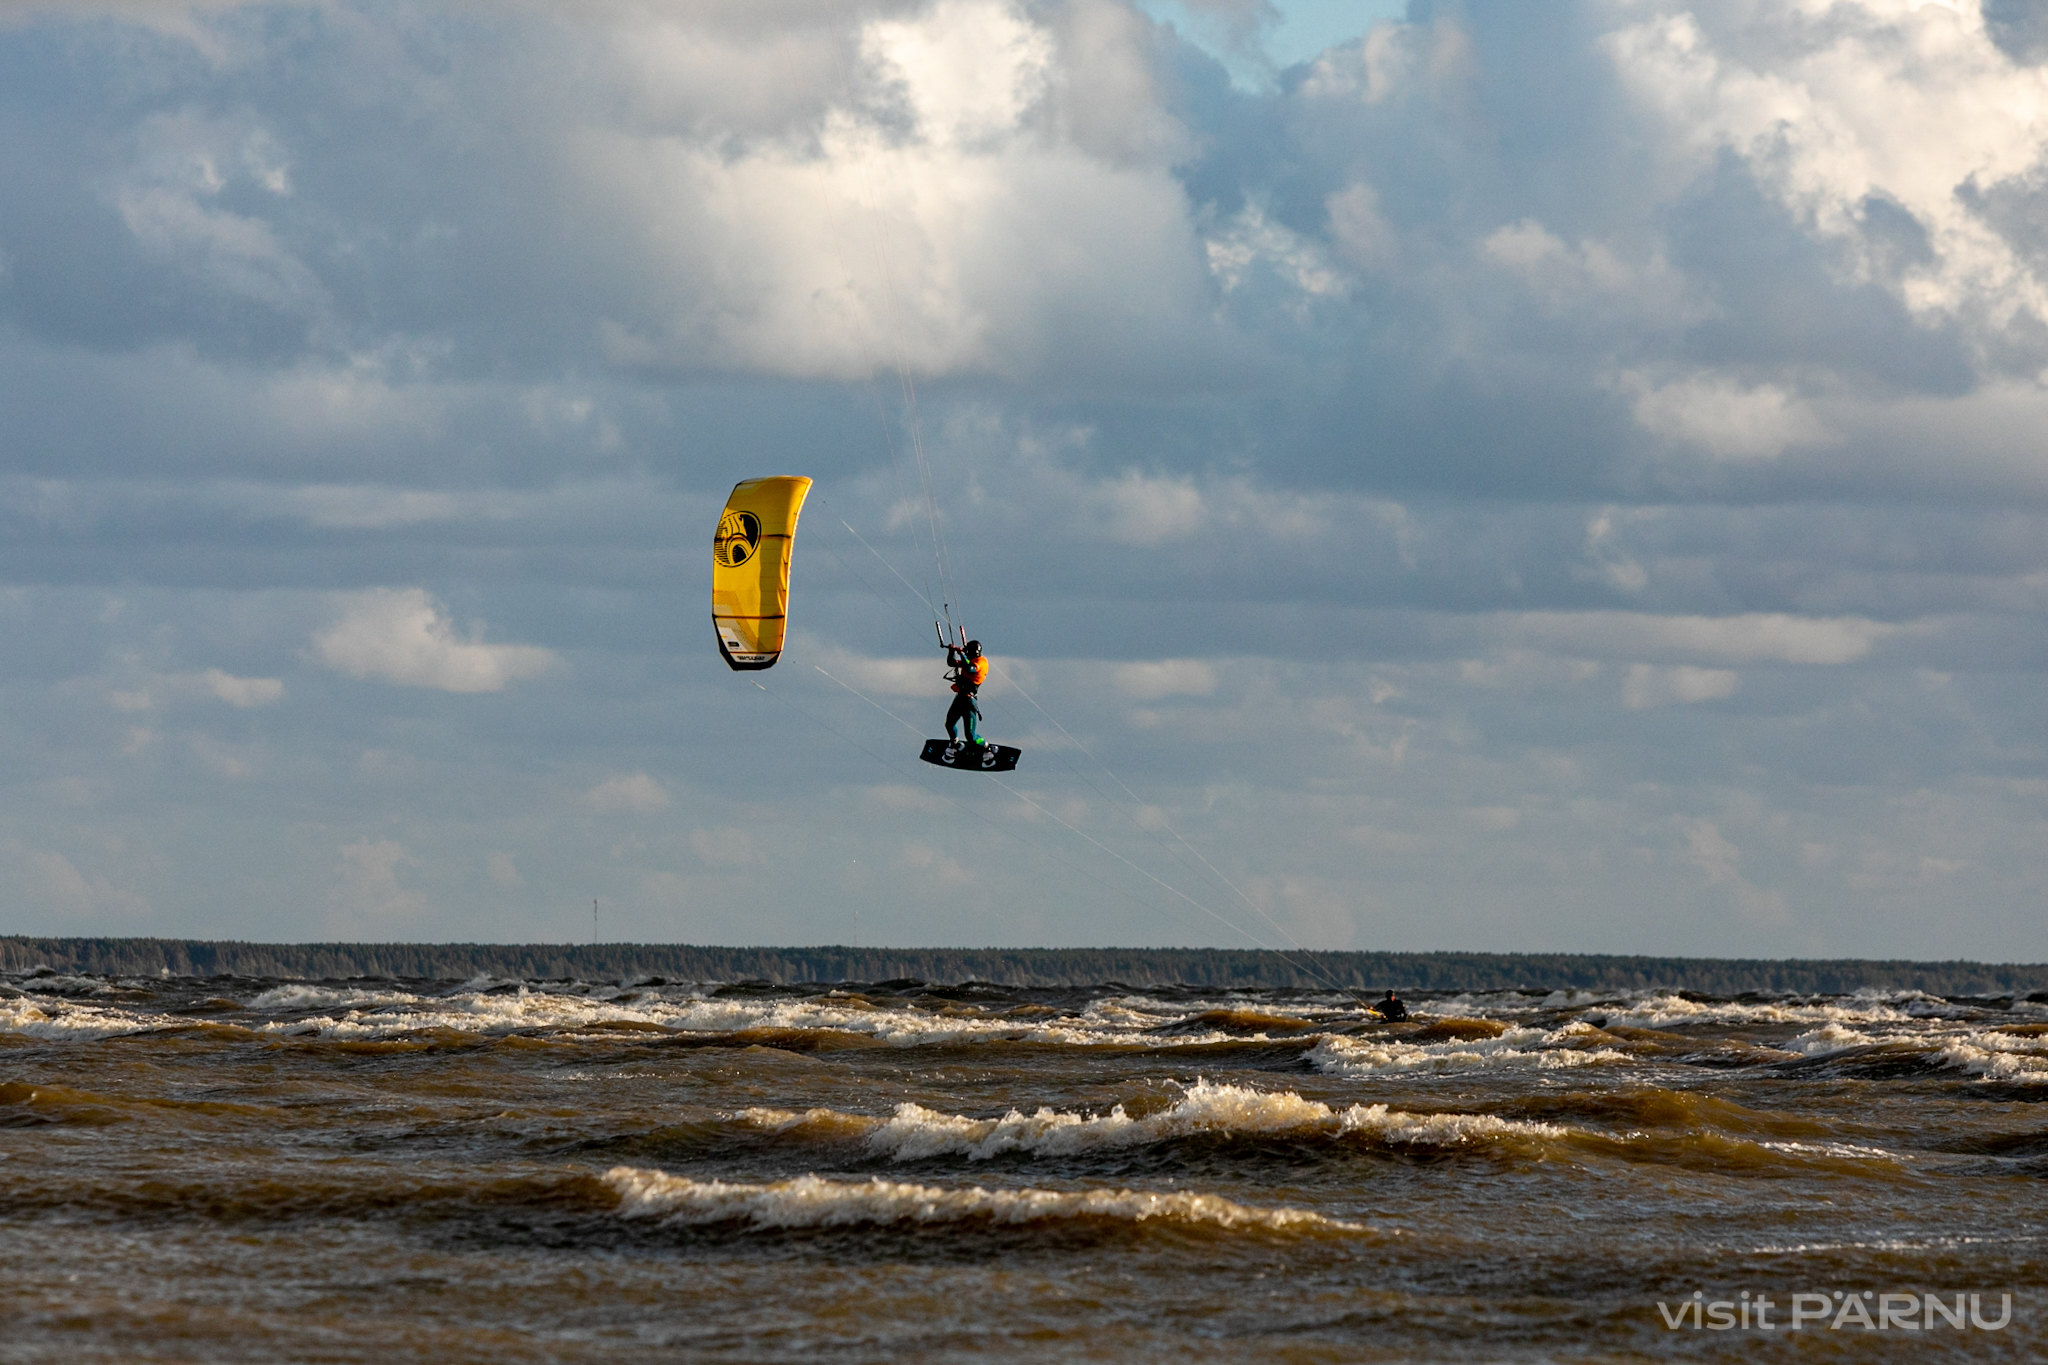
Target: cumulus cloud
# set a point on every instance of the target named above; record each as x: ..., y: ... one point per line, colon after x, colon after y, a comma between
x: 1165, y: 678
x: 725, y: 847
x: 242, y: 692
x: 503, y: 871
x: 937, y: 212
x: 1560, y: 273
x: 1709, y: 850
x: 1150, y: 511
x: 172, y: 199
x: 1359, y: 229
x: 898, y: 677
x: 365, y: 886
x: 1724, y: 417
x: 1753, y: 637
x: 968, y: 69
x: 894, y: 797
x: 1871, y: 121
x: 927, y: 864
x: 48, y: 878
x: 1646, y: 685
x: 1609, y: 561
x: 402, y: 635
x: 1494, y: 818
x: 635, y: 792
x: 1142, y: 510
x: 213, y: 684
x: 221, y: 759
x: 1393, y: 62
x: 1253, y: 241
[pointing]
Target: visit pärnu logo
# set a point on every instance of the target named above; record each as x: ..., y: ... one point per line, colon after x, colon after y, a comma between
x: 739, y: 535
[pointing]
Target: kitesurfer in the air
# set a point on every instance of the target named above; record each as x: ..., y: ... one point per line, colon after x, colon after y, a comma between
x: 1391, y: 1009
x: 967, y: 670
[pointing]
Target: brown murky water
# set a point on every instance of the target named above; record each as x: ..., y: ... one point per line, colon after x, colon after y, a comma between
x: 235, y: 1169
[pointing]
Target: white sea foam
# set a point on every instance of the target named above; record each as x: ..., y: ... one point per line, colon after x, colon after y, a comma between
x: 1919, y: 1006
x: 1663, y: 1011
x: 67, y: 985
x: 1827, y: 1039
x: 914, y: 1133
x: 1999, y: 1057
x: 1851, y: 1150
x: 483, y: 1005
x: 810, y: 1201
x: 2009, y: 1042
x: 1985, y: 1053
x: 298, y: 996
x: 66, y: 1021
x: 1537, y: 1049
x: 1143, y: 1011
x: 478, y: 1013
x: 1891, y: 1244
x: 1571, y: 1000
x: 373, y: 1015
x: 487, y: 1006
x: 1651, y: 1008
x: 1499, y: 1004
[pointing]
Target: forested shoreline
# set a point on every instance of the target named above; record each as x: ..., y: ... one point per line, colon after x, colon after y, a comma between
x: 1215, y: 967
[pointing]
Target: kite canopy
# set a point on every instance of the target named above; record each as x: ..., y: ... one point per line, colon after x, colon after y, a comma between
x: 750, y: 568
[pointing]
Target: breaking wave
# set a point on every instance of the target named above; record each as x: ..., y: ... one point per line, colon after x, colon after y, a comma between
x: 299, y: 996
x: 1988, y: 1054
x: 810, y: 1201
x: 71, y: 1021
x: 1666, y: 1011
x: 354, y: 1014
x: 914, y: 1133
x: 1999, y: 1057
x: 1230, y: 1113
x: 1576, y: 1044
x: 1872, y: 1035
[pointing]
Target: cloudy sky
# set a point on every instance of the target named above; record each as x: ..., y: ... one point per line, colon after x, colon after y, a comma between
x: 1486, y: 476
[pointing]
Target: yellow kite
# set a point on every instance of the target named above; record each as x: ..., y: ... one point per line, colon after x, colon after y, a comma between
x: 750, y: 568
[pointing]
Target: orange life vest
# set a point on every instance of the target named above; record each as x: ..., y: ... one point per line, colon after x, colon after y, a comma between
x: 970, y: 674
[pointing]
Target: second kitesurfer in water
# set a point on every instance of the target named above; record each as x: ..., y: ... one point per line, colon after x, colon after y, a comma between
x: 967, y: 670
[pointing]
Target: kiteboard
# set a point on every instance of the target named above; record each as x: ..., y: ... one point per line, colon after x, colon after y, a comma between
x: 958, y: 753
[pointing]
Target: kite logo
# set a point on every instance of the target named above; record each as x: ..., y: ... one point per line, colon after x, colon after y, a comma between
x: 739, y: 535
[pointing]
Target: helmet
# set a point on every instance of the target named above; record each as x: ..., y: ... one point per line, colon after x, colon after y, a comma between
x: 974, y: 646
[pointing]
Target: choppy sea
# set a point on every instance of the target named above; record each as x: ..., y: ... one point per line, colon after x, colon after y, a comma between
x: 231, y: 1169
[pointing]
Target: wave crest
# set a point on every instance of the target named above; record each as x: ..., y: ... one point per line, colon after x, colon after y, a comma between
x: 1205, y: 1109
x: 69, y: 1021
x: 811, y: 1201
x: 1339, y: 1055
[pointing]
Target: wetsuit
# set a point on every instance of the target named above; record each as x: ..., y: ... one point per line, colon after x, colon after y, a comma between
x: 1391, y: 1009
x: 968, y: 675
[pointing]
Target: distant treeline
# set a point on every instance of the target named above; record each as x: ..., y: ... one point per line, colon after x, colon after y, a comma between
x: 1013, y: 966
